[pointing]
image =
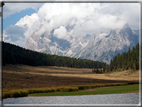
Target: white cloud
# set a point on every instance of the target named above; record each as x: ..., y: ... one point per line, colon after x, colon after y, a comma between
x: 126, y: 11
x: 15, y: 34
x: 89, y: 17
x: 61, y: 32
x: 27, y: 20
x: 12, y: 8
x: 79, y: 19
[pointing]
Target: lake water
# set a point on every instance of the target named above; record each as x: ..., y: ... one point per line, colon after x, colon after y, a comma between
x: 130, y: 98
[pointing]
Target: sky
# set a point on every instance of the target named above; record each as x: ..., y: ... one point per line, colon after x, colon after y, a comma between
x: 20, y: 20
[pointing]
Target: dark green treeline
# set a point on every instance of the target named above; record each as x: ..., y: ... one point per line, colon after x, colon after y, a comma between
x: 127, y: 60
x: 12, y: 54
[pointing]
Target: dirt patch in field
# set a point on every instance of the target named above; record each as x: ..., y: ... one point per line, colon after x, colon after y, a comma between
x: 27, y: 77
x: 20, y: 81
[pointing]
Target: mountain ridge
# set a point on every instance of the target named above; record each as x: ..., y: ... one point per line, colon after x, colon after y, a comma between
x: 100, y: 47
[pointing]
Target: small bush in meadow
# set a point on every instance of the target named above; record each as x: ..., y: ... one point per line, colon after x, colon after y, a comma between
x: 16, y: 94
x: 91, y: 87
x: 111, y: 84
x: 31, y: 91
x: 133, y: 82
x: 47, y: 91
x: 52, y: 90
x: 38, y: 91
x: 70, y: 90
x: 24, y: 93
x: 81, y: 87
x: 86, y: 87
x: 6, y: 95
x: 62, y: 90
x: 117, y: 84
x: 97, y: 85
x: 76, y: 89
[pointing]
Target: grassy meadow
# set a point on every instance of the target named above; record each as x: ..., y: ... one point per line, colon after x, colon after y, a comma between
x: 22, y: 80
x: 101, y: 90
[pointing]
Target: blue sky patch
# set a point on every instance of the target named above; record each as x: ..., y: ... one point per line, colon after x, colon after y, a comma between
x: 14, y: 18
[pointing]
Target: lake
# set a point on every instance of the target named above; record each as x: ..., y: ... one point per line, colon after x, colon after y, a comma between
x: 128, y: 98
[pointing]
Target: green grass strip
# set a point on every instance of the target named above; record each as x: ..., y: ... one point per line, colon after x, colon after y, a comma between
x: 110, y: 90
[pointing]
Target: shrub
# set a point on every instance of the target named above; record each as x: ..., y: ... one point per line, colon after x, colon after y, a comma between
x: 92, y: 87
x: 81, y: 87
x: 62, y: 89
x: 133, y: 82
x: 52, y: 90
x: 86, y: 87
x: 111, y: 84
x: 32, y: 91
x: 6, y: 95
x: 76, y: 89
x: 70, y: 90
x: 24, y: 93
x: 106, y: 85
x: 47, y: 90
x: 16, y: 94
x: 97, y: 85
x: 39, y: 91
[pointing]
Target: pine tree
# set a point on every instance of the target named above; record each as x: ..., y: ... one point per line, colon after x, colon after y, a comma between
x: 134, y: 66
x: 111, y: 65
x: 104, y: 68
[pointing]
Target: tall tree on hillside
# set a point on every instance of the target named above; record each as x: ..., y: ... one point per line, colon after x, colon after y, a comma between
x: 127, y: 60
x: 104, y: 68
x: 111, y: 65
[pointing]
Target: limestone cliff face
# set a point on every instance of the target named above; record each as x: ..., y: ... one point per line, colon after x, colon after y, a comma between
x: 101, y: 47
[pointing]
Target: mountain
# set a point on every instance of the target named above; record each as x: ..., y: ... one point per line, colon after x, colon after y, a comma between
x: 100, y: 47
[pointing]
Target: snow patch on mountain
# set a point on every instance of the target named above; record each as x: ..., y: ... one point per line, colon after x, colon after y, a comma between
x: 101, y: 47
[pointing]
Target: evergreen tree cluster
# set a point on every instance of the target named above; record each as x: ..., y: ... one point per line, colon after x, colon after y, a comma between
x: 97, y: 71
x: 125, y: 61
x: 104, y: 69
x: 12, y: 54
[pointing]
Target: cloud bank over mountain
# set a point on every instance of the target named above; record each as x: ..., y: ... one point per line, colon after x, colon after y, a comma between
x: 12, y: 8
x: 74, y: 19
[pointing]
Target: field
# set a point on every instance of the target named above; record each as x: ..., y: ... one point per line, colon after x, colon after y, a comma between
x: 23, y: 77
x: 102, y: 90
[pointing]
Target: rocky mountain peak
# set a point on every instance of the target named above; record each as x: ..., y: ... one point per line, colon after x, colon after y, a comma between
x: 101, y: 47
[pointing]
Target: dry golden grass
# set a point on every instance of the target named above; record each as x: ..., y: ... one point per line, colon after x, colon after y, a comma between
x: 128, y: 75
x: 23, y: 77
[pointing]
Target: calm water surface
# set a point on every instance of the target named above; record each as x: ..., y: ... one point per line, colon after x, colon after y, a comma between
x: 130, y: 98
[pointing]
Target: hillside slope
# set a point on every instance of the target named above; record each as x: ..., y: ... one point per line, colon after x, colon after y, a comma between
x: 13, y: 54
